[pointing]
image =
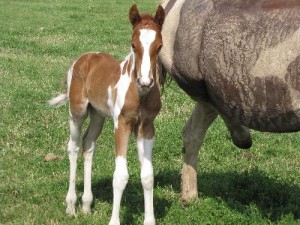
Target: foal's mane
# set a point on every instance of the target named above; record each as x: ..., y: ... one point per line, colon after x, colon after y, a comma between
x: 147, y: 20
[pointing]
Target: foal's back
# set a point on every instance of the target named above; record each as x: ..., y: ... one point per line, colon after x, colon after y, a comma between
x: 92, y: 75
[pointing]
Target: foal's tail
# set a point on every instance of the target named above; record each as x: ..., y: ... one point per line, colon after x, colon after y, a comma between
x: 59, y: 100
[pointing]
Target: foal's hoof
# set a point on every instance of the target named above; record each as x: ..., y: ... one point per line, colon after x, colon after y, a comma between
x: 114, y: 222
x: 70, y: 210
x: 150, y: 221
x: 86, y: 209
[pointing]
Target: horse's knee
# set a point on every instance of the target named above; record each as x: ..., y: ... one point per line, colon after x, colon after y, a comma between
x: 241, y: 137
x: 120, y: 181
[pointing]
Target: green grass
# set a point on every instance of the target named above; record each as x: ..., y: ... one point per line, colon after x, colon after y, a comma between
x: 38, y: 41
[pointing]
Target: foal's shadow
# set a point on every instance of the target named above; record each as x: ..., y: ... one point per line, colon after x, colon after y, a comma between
x: 239, y: 190
x: 132, y: 199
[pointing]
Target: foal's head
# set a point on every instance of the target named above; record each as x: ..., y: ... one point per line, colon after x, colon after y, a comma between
x: 146, y: 44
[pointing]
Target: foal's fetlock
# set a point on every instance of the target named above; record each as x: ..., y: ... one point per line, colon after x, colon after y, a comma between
x: 150, y: 221
x: 71, y: 201
x: 70, y: 210
x: 86, y: 203
x: 114, y: 222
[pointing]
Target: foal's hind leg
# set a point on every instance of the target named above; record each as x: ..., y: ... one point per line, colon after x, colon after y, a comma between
x: 74, y: 146
x: 89, y: 144
x: 194, y: 131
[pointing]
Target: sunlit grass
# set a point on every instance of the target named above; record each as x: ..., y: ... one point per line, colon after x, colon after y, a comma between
x: 38, y: 41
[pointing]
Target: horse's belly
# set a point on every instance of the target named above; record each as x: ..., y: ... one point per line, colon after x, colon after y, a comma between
x: 265, y: 104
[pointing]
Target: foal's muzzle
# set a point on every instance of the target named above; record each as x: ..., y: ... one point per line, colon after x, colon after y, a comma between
x: 145, y: 84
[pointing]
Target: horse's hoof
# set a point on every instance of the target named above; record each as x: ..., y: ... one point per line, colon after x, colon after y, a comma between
x: 187, y: 201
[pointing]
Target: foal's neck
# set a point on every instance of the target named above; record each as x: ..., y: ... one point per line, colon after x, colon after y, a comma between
x: 128, y: 65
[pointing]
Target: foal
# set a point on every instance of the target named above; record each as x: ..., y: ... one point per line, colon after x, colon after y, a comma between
x: 128, y: 91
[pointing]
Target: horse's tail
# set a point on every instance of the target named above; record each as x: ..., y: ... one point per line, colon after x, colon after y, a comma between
x: 59, y: 100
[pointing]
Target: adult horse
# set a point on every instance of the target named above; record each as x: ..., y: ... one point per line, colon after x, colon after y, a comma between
x: 239, y: 59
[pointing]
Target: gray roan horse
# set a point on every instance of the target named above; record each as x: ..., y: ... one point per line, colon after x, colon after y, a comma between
x: 239, y: 59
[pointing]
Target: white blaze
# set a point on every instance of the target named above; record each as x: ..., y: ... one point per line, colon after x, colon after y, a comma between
x: 147, y: 37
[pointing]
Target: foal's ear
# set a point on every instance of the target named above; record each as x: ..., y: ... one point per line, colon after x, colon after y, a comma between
x: 134, y: 15
x: 159, y: 16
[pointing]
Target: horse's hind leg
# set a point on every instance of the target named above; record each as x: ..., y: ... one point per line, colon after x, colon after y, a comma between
x: 89, y: 144
x: 74, y: 146
x: 194, y: 131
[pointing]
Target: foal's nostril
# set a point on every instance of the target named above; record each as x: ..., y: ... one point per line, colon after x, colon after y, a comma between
x: 151, y: 82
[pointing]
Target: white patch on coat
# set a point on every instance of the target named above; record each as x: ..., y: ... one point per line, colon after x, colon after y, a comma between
x: 122, y: 88
x: 275, y: 61
x: 110, y: 100
x: 69, y: 77
x: 147, y: 37
x: 169, y: 33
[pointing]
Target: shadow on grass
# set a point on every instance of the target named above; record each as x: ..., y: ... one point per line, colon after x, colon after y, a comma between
x: 273, y: 198
x: 132, y: 199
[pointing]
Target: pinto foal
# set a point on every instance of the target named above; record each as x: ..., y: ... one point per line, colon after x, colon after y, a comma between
x: 127, y: 91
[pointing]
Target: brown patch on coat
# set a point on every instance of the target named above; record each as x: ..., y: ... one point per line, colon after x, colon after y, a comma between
x: 280, y: 4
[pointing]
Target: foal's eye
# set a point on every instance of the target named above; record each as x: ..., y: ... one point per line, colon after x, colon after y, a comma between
x: 133, y: 47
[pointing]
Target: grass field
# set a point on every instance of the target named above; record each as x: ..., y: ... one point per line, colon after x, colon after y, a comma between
x: 38, y: 41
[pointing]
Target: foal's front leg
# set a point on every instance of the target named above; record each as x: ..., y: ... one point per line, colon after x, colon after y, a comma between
x: 120, y: 179
x: 145, y: 141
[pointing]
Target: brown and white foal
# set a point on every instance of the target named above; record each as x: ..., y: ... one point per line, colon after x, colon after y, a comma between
x: 127, y: 91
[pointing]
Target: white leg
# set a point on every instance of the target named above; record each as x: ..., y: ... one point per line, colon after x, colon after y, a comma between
x: 74, y: 146
x: 121, y: 176
x: 89, y: 144
x: 145, y: 156
x: 119, y: 183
